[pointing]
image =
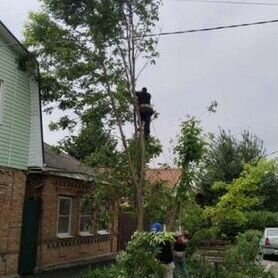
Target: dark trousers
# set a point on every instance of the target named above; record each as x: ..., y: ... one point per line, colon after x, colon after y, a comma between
x: 147, y: 123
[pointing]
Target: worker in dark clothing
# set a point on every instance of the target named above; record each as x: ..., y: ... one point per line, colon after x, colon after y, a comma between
x: 165, y: 255
x: 180, y: 246
x: 145, y: 109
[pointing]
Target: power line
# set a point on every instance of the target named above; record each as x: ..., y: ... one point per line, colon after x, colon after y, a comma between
x: 211, y: 29
x: 272, y: 153
x: 223, y: 27
x: 228, y: 2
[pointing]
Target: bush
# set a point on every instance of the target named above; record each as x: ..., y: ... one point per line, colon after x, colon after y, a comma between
x: 113, y: 271
x: 243, y: 259
x: 258, y: 220
x: 202, y: 234
x: 138, y: 260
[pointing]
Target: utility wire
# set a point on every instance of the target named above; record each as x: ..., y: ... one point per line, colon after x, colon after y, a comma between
x: 212, y: 28
x: 223, y: 27
x: 227, y: 2
x: 272, y: 153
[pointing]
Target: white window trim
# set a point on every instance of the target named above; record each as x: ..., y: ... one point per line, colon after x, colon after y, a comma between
x: 1, y: 100
x: 64, y: 235
x: 104, y: 231
x: 84, y: 233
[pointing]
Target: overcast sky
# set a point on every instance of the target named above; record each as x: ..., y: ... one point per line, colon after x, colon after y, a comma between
x: 238, y: 68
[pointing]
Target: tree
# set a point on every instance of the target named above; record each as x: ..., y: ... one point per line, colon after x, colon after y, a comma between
x: 93, y: 145
x: 224, y: 161
x: 189, y: 151
x: 88, y: 51
x: 243, y: 196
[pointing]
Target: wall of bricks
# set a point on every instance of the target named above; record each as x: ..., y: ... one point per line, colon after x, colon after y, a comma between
x: 62, y: 252
x: 53, y: 251
x: 12, y: 191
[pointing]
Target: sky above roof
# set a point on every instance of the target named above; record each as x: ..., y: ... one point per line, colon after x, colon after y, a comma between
x: 238, y: 68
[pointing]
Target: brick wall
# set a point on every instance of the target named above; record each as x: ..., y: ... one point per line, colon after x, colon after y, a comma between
x: 53, y: 251
x: 12, y: 190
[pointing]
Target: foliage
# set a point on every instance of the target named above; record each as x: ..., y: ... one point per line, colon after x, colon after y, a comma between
x: 159, y: 199
x: 94, y: 145
x: 190, y: 146
x: 269, y: 190
x: 113, y: 271
x: 188, y: 150
x: 242, y: 260
x: 192, y: 218
x: 260, y: 219
x: 229, y: 214
x: 89, y: 51
x: 139, y: 258
x: 224, y: 161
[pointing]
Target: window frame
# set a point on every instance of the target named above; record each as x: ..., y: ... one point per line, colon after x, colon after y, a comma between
x: 68, y: 234
x: 100, y: 230
x: 89, y: 232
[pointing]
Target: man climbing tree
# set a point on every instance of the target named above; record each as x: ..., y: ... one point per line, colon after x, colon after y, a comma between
x: 145, y: 109
x: 88, y: 52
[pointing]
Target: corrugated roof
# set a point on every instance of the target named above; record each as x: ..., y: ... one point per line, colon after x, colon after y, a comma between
x: 170, y: 176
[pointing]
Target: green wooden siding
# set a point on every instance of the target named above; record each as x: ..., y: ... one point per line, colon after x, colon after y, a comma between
x: 15, y: 127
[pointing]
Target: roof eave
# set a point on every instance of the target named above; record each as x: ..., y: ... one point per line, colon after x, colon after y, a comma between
x: 12, y: 41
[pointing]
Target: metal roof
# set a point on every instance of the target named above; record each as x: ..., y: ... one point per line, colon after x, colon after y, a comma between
x: 61, y: 163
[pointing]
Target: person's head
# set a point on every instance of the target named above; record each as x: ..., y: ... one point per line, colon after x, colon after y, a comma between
x: 144, y: 90
x: 156, y: 228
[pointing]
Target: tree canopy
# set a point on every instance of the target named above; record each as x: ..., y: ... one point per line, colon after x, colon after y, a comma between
x: 224, y: 160
x: 89, y: 52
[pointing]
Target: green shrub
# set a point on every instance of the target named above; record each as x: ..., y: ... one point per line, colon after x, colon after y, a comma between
x: 113, y: 271
x: 243, y: 259
x: 258, y: 220
x: 138, y: 260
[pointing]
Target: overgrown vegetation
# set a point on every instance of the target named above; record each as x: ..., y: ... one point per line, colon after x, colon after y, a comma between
x: 242, y: 260
x: 89, y: 52
x: 138, y: 260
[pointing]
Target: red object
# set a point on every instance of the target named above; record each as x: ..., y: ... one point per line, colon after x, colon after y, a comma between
x: 267, y: 241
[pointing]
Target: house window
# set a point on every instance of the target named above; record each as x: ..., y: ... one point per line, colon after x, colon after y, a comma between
x: 103, y: 220
x: 64, y: 217
x: 1, y: 100
x: 85, y: 218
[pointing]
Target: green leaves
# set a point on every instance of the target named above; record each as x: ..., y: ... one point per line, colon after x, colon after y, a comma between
x: 243, y: 196
x: 223, y: 161
x: 88, y: 52
x: 139, y: 258
x: 191, y: 143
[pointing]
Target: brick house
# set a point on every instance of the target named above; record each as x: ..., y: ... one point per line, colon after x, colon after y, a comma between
x: 44, y: 221
x: 20, y: 142
x: 67, y: 228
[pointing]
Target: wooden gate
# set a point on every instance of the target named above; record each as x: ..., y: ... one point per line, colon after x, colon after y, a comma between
x: 127, y: 226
